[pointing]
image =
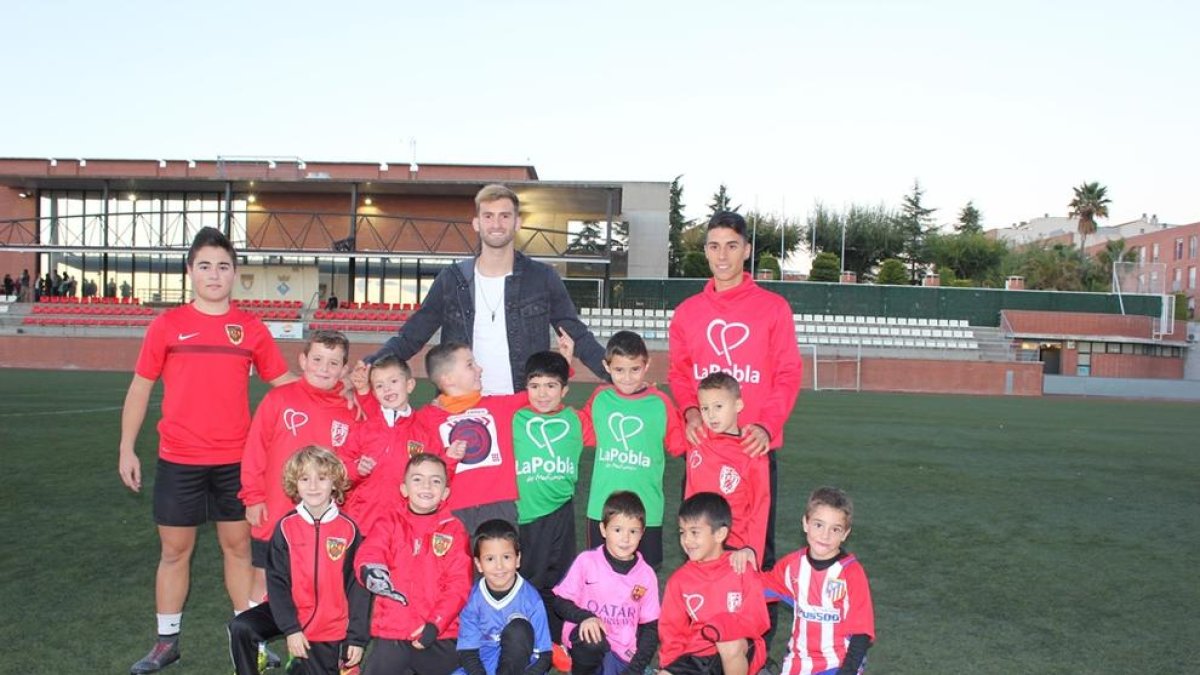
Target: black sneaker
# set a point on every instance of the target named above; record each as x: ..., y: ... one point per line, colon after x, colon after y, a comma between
x: 164, y: 653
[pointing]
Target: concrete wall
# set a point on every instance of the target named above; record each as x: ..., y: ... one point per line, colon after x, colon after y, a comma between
x: 647, y: 207
x: 1182, y: 390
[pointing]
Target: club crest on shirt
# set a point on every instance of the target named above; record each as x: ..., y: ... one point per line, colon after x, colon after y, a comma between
x: 639, y: 591
x: 729, y: 479
x: 335, y: 547
x: 235, y: 333
x: 415, y: 448
x: 442, y: 543
x: 733, y: 601
x: 338, y: 432
x: 835, y: 590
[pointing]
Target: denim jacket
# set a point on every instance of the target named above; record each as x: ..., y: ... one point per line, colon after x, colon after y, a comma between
x: 535, y: 300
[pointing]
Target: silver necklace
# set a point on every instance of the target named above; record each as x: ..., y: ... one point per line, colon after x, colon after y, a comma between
x: 488, y: 303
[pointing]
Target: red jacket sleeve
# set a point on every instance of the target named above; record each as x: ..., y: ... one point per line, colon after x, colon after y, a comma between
x: 589, y: 429
x: 374, y: 549
x: 454, y: 578
x: 676, y: 443
x: 679, y: 374
x: 788, y: 370
x: 351, y: 451
x: 254, y: 457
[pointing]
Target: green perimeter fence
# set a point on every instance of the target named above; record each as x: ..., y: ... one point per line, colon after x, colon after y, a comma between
x: 978, y: 306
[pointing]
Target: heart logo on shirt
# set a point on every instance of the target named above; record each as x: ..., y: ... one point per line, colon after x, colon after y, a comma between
x: 725, y: 336
x: 546, y: 432
x: 693, y: 602
x: 294, y: 419
x: 694, y: 459
x: 624, y: 427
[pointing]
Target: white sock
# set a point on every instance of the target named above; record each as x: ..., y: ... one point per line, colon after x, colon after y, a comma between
x: 168, y: 624
x: 252, y: 604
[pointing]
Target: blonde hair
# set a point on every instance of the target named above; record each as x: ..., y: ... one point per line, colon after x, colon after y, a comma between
x: 493, y: 192
x: 318, y: 459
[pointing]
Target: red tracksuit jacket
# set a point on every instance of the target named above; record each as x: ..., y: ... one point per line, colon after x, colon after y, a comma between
x: 747, y: 332
x: 429, y: 559
x: 707, y: 602
x: 310, y: 578
x: 721, y: 465
x: 374, y: 496
x: 289, y: 418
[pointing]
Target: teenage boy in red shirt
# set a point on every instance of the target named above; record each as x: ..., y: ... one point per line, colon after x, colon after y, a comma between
x: 203, y: 351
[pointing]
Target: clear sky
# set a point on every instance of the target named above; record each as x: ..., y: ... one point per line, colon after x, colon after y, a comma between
x: 1006, y: 103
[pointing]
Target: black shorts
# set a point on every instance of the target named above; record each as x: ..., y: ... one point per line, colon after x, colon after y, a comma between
x: 703, y: 665
x: 188, y: 495
x: 651, y: 546
x: 258, y: 552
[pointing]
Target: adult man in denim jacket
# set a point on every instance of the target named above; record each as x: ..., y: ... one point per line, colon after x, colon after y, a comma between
x: 501, y: 303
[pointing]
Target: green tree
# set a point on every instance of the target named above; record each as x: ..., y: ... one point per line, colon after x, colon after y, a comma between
x: 676, y: 225
x: 872, y: 235
x: 769, y: 263
x: 1060, y: 267
x: 1114, y: 252
x: 721, y: 202
x: 770, y: 231
x: 1091, y: 202
x: 968, y: 255
x: 916, y: 221
x: 589, y: 240
x: 825, y: 268
x: 969, y: 219
x: 892, y: 273
x: 695, y: 265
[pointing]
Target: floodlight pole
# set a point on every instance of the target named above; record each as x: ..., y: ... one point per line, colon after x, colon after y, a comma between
x: 843, y: 270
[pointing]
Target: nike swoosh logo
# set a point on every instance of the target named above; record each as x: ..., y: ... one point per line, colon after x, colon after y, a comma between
x: 589, y: 583
x: 187, y: 336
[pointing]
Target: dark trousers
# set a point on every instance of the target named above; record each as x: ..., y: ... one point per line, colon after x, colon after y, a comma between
x: 399, y: 657
x: 516, y: 647
x: 547, y: 551
x: 257, y: 625
x: 594, y: 659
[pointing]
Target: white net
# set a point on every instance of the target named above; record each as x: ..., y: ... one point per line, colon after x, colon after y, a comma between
x: 1146, y: 278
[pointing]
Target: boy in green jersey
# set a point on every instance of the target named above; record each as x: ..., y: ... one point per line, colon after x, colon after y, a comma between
x: 636, y: 426
x: 548, y: 438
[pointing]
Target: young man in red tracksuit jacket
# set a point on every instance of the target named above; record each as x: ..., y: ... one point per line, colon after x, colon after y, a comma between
x: 737, y: 327
x: 379, y: 449
x: 424, y: 548
x: 713, y: 618
x: 312, y: 596
x: 720, y: 464
x: 308, y: 411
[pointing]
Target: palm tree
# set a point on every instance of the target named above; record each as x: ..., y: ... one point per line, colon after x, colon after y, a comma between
x: 1090, y: 202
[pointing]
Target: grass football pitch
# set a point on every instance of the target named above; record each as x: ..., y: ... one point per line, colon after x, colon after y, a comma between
x: 999, y: 535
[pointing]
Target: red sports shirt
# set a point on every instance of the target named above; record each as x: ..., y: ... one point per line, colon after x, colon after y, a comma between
x: 707, y: 602
x: 720, y: 464
x: 204, y: 362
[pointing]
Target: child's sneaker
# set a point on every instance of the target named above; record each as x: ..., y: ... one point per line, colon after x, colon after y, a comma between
x: 267, y: 659
x: 164, y: 653
x: 560, y: 658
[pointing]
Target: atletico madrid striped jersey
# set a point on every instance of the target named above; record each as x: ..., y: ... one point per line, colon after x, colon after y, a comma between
x: 829, y: 605
x: 204, y: 361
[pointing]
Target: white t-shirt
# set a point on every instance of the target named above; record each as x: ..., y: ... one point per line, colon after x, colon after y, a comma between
x: 490, y: 335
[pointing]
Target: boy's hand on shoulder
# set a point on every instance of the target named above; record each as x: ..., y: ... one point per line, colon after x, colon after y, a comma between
x: 457, y: 450
x: 742, y: 559
x: 365, y: 466
x: 298, y: 645
x: 353, y: 404
x: 256, y: 514
x: 354, y: 654
x: 591, y: 630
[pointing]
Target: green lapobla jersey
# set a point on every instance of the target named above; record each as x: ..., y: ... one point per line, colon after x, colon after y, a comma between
x: 547, y: 448
x: 633, y: 435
